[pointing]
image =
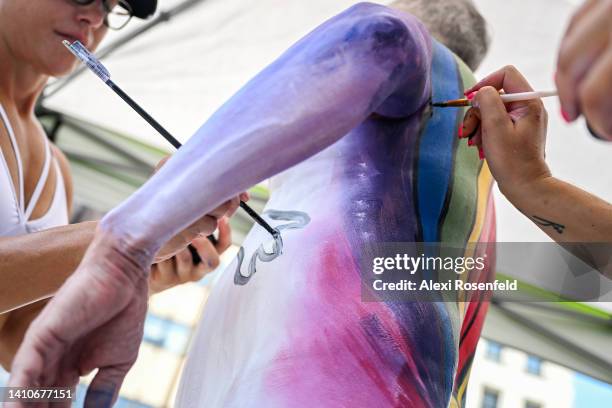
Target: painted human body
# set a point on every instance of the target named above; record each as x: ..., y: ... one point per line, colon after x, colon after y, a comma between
x: 352, y: 97
x: 298, y: 333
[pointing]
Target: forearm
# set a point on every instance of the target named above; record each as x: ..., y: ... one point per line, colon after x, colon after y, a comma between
x: 13, y: 327
x: 316, y: 92
x: 34, y: 266
x: 579, y: 221
x: 564, y: 212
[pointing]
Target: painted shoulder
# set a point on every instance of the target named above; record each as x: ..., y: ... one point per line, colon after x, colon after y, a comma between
x: 399, y: 33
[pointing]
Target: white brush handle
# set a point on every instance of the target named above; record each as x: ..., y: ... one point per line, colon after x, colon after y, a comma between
x: 525, y: 96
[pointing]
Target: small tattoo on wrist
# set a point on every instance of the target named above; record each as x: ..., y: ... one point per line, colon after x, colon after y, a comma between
x: 547, y: 223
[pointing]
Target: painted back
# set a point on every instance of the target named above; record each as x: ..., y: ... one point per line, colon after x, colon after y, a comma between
x: 296, y: 332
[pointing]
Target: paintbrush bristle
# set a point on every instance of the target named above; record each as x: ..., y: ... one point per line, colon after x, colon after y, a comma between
x: 452, y: 103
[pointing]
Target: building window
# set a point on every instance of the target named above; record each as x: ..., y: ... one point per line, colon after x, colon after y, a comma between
x: 494, y: 351
x: 534, y: 365
x: 166, y: 334
x: 531, y: 404
x: 490, y: 398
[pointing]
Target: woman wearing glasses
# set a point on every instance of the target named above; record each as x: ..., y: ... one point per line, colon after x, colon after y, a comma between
x: 38, y: 250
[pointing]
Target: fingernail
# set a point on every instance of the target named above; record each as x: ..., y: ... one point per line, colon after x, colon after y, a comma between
x: 470, y: 142
x: 470, y: 95
x: 565, y: 116
x: 460, y: 132
x: 481, y: 153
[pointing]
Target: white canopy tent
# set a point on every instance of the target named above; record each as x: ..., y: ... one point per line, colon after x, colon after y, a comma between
x: 182, y: 70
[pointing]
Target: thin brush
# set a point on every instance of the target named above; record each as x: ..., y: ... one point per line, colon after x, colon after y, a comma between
x: 100, y: 70
x: 506, y: 98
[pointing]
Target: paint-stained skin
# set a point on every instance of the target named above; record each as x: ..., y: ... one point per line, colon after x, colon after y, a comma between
x: 346, y: 110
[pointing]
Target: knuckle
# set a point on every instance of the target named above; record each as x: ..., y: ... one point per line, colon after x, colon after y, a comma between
x: 488, y: 91
x: 511, y: 69
x: 183, y: 257
x: 590, y: 99
x: 206, y: 225
x: 540, y: 114
x: 214, y: 262
x: 497, y: 122
x: 537, y: 108
x: 564, y: 61
x: 207, y: 221
x: 211, y: 223
x: 201, y: 271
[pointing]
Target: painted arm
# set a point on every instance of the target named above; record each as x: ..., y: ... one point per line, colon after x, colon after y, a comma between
x: 367, y: 59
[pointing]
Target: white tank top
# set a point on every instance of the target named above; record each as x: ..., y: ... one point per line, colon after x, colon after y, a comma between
x: 14, y: 217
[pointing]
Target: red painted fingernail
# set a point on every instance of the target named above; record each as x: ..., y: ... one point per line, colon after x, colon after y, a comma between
x: 470, y: 96
x: 460, y: 131
x: 481, y: 153
x: 565, y: 116
x: 470, y: 142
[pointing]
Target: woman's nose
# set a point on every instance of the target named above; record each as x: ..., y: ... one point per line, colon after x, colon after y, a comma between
x: 94, y: 13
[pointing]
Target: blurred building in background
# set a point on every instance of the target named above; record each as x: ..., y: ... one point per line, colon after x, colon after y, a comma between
x: 503, y: 377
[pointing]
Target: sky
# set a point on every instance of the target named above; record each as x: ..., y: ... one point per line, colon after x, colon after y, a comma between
x: 590, y: 393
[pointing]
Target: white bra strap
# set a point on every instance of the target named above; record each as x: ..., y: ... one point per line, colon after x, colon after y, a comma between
x: 9, y: 128
x: 41, y: 181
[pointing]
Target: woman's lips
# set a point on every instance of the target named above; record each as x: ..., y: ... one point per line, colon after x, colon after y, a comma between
x: 73, y: 37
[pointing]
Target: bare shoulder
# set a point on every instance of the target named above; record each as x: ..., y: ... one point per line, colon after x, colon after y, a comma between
x: 64, y: 165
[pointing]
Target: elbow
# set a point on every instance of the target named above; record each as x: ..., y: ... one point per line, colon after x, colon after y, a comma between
x: 386, y: 38
x: 400, y: 48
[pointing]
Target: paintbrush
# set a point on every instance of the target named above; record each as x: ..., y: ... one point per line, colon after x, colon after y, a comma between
x: 100, y: 70
x: 506, y: 98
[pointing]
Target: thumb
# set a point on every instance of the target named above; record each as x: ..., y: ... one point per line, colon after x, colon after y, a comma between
x: 494, y: 116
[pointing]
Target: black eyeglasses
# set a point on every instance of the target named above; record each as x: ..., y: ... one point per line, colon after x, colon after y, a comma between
x: 116, y: 17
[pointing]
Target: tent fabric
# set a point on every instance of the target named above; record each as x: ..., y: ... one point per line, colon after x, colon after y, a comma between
x: 579, y: 340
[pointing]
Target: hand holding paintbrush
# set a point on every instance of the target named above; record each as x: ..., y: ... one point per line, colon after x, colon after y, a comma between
x: 513, y: 138
x: 511, y: 134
